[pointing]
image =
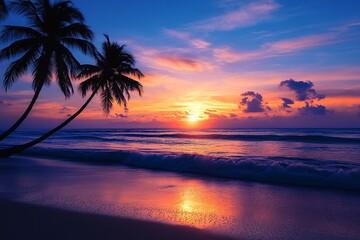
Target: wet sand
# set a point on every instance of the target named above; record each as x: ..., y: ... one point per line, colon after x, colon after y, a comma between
x: 26, y: 221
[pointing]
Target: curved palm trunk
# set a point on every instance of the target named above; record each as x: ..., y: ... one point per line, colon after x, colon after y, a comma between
x: 22, y: 118
x: 16, y: 149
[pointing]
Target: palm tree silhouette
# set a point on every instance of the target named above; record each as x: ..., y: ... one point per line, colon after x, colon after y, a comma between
x: 108, y: 78
x: 3, y: 10
x: 45, y: 46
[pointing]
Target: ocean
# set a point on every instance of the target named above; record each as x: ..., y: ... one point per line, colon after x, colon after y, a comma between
x: 328, y: 158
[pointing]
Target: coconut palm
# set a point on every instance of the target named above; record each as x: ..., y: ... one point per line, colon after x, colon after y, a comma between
x: 44, y: 46
x: 3, y: 10
x: 108, y: 78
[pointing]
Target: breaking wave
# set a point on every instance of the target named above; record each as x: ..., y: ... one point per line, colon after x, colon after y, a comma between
x: 282, y: 170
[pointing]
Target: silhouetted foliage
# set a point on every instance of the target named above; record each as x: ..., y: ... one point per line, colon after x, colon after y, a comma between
x: 3, y: 9
x: 44, y: 46
x: 108, y: 77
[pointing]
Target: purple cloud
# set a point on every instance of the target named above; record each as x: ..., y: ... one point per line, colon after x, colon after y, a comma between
x: 252, y: 102
x: 286, y: 103
x: 304, y: 90
x: 314, y: 110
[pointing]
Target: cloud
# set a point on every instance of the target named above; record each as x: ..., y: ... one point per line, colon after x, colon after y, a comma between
x: 64, y: 110
x: 172, y: 59
x: 185, y: 36
x: 286, y: 103
x: 233, y: 115
x: 252, y: 102
x: 314, y: 110
x: 181, y: 63
x: 245, y: 16
x: 304, y: 90
x: 213, y: 115
x: 275, y: 49
x: 120, y: 115
x: 181, y: 115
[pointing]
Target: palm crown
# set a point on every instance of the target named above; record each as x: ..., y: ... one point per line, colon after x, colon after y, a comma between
x: 109, y: 75
x: 44, y: 46
x: 3, y: 9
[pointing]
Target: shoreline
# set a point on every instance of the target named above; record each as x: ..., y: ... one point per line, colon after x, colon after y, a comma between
x: 69, y: 200
x: 27, y: 221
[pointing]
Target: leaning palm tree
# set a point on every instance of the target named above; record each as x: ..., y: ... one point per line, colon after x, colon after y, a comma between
x: 44, y: 46
x: 109, y: 78
x: 3, y: 9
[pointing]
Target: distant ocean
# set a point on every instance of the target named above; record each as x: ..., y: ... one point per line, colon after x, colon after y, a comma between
x: 327, y: 158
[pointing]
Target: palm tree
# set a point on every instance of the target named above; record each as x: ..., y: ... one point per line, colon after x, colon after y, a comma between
x: 45, y: 46
x: 109, y: 78
x: 3, y: 10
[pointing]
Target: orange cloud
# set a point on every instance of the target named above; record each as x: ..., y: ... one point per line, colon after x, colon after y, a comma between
x: 182, y: 63
x: 185, y: 36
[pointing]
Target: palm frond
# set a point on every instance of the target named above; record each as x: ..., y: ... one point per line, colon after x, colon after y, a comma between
x: 77, y: 30
x: 85, y: 46
x: 106, y: 99
x: 62, y: 76
x: 3, y: 9
x: 27, y: 9
x: 67, y: 12
x: 88, y: 70
x: 91, y: 83
x: 71, y: 62
x: 42, y: 71
x: 18, y: 47
x: 10, y: 33
x: 118, y: 93
x: 19, y: 67
x: 130, y: 84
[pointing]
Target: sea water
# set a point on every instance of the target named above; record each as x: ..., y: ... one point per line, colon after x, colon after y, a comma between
x: 327, y: 158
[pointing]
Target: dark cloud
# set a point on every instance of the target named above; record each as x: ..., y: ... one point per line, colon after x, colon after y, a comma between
x: 252, y: 102
x: 286, y: 103
x: 181, y: 115
x: 304, y: 90
x: 233, y: 115
x: 65, y: 110
x: 310, y: 109
x: 68, y: 115
x: 213, y: 115
x: 120, y: 115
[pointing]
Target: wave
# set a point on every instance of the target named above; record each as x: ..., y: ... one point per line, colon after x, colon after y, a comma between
x: 239, y: 137
x: 282, y: 170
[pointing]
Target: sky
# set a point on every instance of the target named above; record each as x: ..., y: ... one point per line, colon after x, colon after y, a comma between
x: 216, y: 63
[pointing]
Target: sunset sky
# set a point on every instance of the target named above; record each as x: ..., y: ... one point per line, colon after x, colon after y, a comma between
x: 217, y: 63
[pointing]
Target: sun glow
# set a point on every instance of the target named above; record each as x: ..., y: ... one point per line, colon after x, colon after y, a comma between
x: 192, y: 118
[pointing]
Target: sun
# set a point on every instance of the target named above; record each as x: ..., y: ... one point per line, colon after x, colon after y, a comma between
x: 192, y: 118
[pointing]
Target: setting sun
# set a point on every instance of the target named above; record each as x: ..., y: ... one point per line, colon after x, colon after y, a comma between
x: 192, y: 118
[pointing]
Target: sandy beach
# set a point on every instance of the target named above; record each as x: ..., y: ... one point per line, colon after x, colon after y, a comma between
x: 26, y: 221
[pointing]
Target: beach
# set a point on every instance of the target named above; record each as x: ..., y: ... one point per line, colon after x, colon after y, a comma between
x: 26, y: 221
x: 45, y: 197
